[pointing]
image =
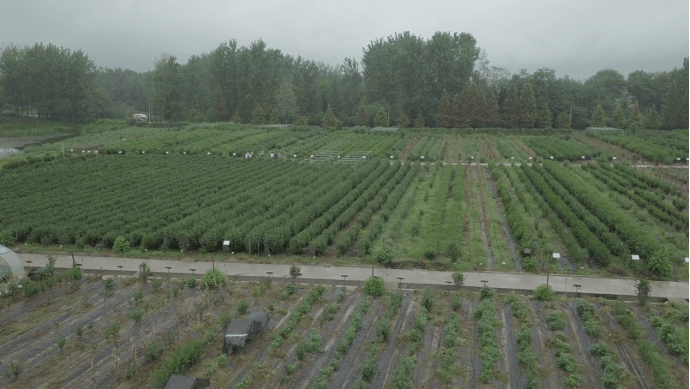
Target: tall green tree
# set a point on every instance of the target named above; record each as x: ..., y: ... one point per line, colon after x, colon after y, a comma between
x: 545, y: 118
x: 528, y: 107
x: 167, y: 87
x: 286, y: 102
x: 444, y: 117
x: 493, y: 114
x: 419, y: 121
x: 512, y: 108
x: 259, y: 115
x: 329, y: 118
x: 619, y: 117
x: 636, y: 121
x: 599, y: 117
x: 362, y: 118
x: 563, y: 120
x: 672, y: 112
x: 381, y: 119
x: 653, y: 118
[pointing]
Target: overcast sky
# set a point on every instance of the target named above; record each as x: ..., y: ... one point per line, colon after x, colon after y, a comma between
x: 575, y: 38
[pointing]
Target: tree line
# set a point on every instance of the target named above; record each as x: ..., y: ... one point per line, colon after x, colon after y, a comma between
x: 404, y: 79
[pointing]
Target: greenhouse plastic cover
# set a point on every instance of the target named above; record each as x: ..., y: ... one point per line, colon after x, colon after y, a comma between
x: 10, y: 265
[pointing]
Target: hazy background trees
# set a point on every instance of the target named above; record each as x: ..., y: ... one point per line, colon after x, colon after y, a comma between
x: 443, y: 81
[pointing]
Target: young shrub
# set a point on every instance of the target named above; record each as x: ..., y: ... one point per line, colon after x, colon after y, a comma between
x: 428, y: 299
x: 61, y: 342
x: 486, y: 293
x: 136, y: 315
x: 295, y: 271
x: 109, y: 284
x: 643, y: 290
x: 152, y: 352
x: 374, y: 286
x: 384, y: 255
x: 144, y: 271
x: 458, y: 279
x: 456, y: 302
x: 213, y: 278
x: 243, y: 306
x: 289, y: 290
x: 383, y: 329
x: 191, y: 282
x: 543, y: 292
x: 453, y: 252
x: 121, y: 245
x: 157, y: 284
x: 138, y: 295
x: 225, y: 319
x: 79, y: 331
x: 556, y: 321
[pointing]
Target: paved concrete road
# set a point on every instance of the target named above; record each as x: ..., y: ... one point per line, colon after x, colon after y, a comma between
x: 560, y: 283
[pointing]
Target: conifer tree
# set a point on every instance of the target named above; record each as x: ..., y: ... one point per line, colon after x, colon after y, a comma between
x: 258, y: 116
x: 672, y: 112
x: 493, y: 114
x: 545, y: 117
x: 511, y: 108
x: 472, y: 106
x: 563, y: 120
x: 528, y: 104
x: 329, y: 118
x: 221, y: 110
x: 619, y: 117
x: 653, y: 118
x: 444, y: 117
x: 300, y: 120
x: 455, y: 112
x: 381, y: 118
x: 419, y: 122
x: 636, y: 121
x: 236, y: 118
x: 599, y: 117
x: 404, y: 121
x: 362, y: 118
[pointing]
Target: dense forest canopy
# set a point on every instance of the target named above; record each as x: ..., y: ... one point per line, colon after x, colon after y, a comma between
x: 444, y: 81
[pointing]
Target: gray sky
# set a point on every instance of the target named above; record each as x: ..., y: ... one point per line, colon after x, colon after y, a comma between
x: 577, y: 38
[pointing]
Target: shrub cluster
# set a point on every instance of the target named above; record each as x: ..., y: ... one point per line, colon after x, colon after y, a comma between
x: 488, y: 345
x: 321, y: 381
x: 586, y: 310
x: 301, y: 311
x: 374, y: 286
x: 669, y: 335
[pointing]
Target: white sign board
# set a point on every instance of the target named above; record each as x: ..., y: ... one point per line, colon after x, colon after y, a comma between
x: 687, y: 260
x: 635, y: 257
x: 556, y: 255
x: 226, y: 243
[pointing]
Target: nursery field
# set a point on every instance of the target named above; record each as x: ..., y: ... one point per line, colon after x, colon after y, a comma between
x: 133, y: 333
x: 149, y: 192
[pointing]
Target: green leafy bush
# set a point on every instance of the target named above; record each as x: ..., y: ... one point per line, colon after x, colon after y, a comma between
x: 384, y: 255
x: 121, y: 245
x: 289, y: 289
x: 556, y: 321
x: 243, y: 306
x: 191, y: 282
x: 213, y: 278
x: 144, y: 271
x: 156, y: 284
x: 544, y: 292
x: 374, y: 286
x: 313, y: 344
x: 428, y: 299
x: 486, y: 293
x: 456, y: 302
x: 180, y: 360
